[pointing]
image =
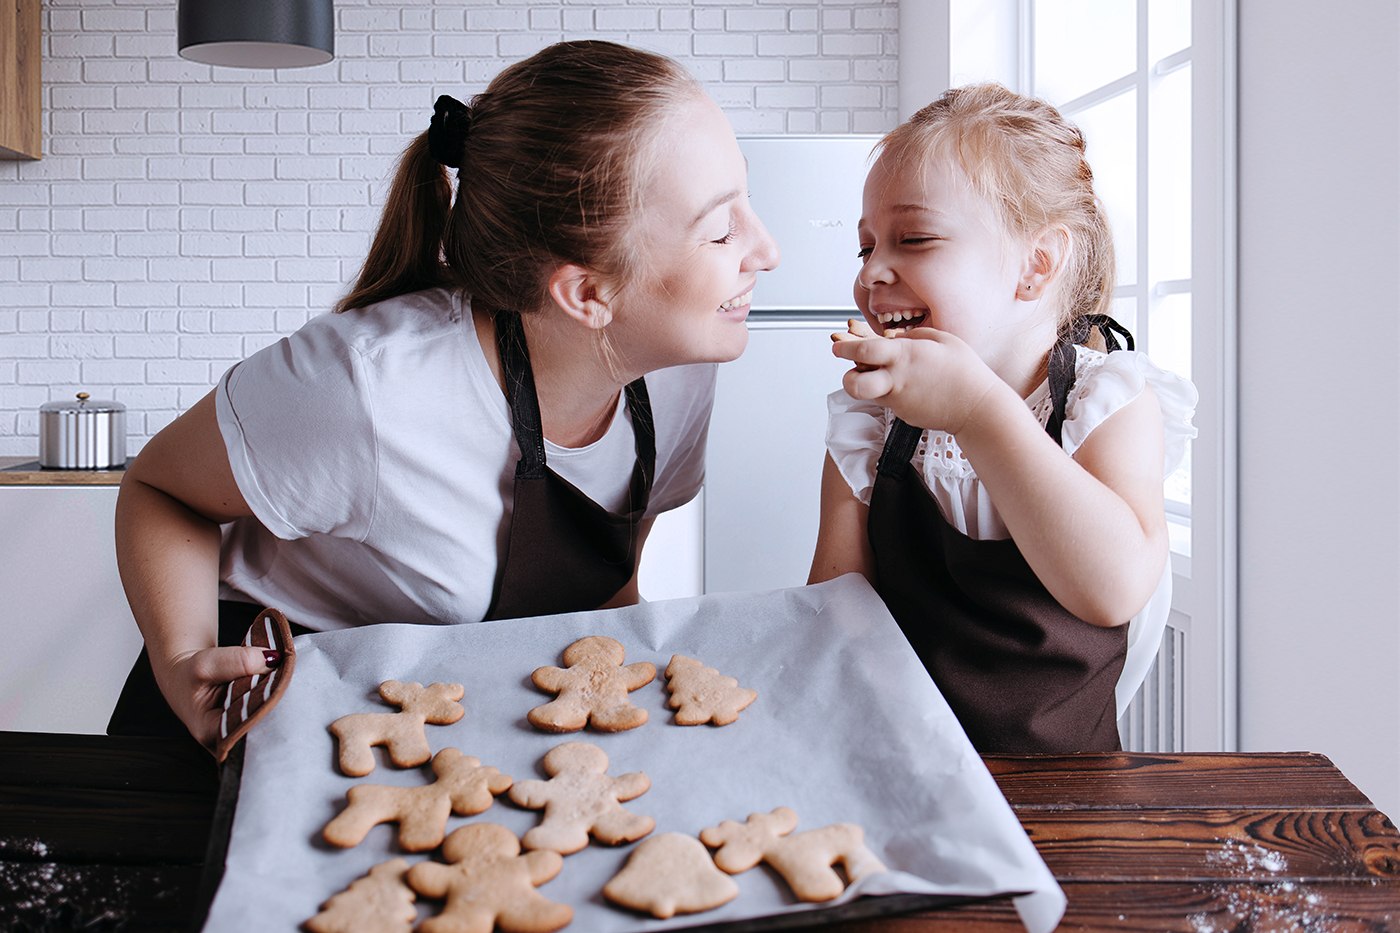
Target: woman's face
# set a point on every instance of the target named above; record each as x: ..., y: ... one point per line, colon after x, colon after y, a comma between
x: 701, y: 248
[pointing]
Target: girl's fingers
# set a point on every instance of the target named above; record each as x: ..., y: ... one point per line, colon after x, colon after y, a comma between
x: 867, y: 385
x: 869, y: 352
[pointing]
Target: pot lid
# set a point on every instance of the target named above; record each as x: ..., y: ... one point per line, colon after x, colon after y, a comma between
x: 83, y: 403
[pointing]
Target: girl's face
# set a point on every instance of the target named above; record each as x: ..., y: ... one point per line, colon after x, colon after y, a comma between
x: 702, y: 248
x: 935, y: 253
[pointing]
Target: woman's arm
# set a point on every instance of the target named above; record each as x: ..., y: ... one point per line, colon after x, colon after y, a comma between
x: 172, y: 500
x: 630, y: 594
x: 843, y: 541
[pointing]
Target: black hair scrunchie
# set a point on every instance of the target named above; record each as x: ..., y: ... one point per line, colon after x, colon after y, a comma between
x: 447, y: 133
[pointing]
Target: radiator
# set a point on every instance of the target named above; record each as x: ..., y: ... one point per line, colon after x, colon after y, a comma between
x: 1154, y: 720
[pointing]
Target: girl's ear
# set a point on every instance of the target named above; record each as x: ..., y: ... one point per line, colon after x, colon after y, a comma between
x: 581, y: 294
x: 1045, y: 259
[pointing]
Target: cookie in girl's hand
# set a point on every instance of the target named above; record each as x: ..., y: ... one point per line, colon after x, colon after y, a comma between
x: 592, y: 688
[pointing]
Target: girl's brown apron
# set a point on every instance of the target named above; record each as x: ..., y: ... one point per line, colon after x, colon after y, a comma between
x: 565, y: 552
x: 1020, y: 671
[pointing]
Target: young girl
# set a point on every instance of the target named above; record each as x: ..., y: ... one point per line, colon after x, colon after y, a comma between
x: 997, y: 480
x: 519, y: 381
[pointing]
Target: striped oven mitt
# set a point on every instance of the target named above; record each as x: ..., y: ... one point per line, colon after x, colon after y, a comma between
x: 250, y: 698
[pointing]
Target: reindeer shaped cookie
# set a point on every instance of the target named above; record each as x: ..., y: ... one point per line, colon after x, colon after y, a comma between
x: 403, y: 732
x: 464, y: 786
x: 805, y: 860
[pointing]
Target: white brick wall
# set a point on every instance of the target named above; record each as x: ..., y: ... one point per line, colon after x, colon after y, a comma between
x: 184, y: 216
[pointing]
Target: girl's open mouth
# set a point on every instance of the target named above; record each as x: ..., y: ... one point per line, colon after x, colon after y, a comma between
x: 895, y: 323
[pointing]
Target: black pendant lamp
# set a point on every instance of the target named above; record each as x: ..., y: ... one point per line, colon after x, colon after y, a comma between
x: 257, y: 33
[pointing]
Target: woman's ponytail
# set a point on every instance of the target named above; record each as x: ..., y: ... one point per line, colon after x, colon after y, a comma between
x: 406, y: 255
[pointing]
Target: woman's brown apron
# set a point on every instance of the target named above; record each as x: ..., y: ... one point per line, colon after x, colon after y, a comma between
x: 1021, y: 672
x: 565, y: 552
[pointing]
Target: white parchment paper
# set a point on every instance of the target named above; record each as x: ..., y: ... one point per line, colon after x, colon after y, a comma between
x: 847, y: 727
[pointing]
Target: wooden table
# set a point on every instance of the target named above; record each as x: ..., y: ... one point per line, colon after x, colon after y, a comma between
x: 100, y: 833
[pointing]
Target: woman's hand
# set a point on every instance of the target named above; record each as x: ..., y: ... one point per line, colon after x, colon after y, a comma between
x: 929, y: 378
x: 194, y: 684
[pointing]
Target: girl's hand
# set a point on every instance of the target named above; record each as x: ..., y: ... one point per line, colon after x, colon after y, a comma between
x: 194, y: 684
x: 929, y: 378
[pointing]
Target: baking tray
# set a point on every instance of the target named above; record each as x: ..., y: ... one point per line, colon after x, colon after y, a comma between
x: 847, y: 728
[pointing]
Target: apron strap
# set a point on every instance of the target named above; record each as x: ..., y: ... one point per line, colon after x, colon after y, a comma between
x: 1062, y: 361
x: 525, y: 419
x: 520, y: 392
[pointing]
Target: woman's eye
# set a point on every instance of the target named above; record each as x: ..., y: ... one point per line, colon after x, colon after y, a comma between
x: 864, y: 252
x: 728, y: 237
x: 918, y: 240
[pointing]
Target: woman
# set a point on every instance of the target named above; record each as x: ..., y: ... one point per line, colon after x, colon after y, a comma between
x: 470, y: 437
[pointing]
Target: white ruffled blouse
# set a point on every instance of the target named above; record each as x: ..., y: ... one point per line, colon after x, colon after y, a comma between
x: 1104, y: 383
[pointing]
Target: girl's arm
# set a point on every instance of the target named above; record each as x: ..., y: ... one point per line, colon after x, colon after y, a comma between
x: 843, y: 541
x: 172, y: 500
x: 1092, y: 527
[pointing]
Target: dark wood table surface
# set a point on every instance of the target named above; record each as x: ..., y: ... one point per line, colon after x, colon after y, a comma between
x: 100, y: 833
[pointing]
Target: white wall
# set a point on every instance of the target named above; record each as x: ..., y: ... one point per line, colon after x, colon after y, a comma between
x: 1319, y: 227
x: 184, y: 216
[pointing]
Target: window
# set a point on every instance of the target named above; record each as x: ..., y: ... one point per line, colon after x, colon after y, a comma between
x: 1151, y: 84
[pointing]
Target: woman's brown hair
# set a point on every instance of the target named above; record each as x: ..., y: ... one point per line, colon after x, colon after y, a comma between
x: 550, y: 171
x: 1028, y: 160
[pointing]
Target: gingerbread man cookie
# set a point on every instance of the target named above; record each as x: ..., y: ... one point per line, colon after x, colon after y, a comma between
x: 669, y: 874
x: 379, y: 902
x: 403, y: 732
x: 805, y: 860
x: 580, y: 799
x: 490, y: 885
x: 701, y: 694
x: 464, y: 786
x: 592, y: 688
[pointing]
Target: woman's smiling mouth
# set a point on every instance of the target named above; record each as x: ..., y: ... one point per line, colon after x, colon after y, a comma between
x: 739, y: 303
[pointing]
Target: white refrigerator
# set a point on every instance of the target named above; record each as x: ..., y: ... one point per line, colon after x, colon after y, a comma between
x: 767, y: 436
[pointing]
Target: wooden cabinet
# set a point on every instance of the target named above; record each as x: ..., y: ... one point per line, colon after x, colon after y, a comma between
x: 20, y: 101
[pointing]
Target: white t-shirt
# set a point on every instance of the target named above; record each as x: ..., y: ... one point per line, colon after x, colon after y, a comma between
x: 375, y: 449
x: 1104, y: 383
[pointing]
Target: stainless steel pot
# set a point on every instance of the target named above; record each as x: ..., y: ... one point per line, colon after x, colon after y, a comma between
x: 86, y: 434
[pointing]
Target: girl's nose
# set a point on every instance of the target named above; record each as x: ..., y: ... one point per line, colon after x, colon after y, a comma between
x: 872, y: 273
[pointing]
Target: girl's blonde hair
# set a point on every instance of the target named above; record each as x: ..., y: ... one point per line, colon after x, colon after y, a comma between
x: 557, y: 152
x: 1028, y: 161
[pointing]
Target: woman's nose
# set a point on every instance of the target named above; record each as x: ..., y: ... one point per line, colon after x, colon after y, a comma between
x: 764, y: 255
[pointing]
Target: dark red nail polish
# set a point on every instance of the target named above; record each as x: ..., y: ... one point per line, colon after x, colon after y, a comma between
x: 272, y: 658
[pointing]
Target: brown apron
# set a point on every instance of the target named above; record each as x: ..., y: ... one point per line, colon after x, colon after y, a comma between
x: 1020, y: 671
x: 565, y: 552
